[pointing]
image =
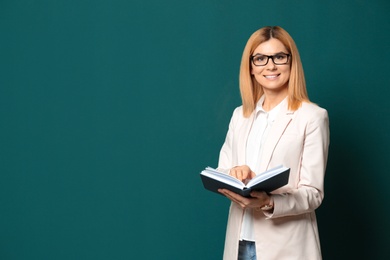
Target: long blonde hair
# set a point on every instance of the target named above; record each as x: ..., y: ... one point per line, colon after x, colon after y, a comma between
x: 250, y: 89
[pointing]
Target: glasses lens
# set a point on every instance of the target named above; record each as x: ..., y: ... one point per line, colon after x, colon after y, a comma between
x: 260, y: 60
x: 280, y: 58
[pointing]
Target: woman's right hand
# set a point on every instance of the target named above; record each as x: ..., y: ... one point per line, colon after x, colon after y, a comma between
x: 243, y: 173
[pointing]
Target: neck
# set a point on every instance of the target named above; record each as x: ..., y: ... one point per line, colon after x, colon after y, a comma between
x: 271, y: 100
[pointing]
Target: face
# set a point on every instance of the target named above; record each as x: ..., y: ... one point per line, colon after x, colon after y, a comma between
x: 273, y: 78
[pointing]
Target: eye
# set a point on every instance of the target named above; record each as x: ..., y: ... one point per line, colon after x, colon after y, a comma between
x: 259, y: 58
x: 280, y: 56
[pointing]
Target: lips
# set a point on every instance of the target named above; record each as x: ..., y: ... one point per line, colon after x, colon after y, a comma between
x: 271, y: 76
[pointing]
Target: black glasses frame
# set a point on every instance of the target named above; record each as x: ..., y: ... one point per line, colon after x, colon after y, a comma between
x: 272, y: 58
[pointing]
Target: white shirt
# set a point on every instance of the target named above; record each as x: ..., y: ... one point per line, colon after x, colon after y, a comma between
x: 258, y: 134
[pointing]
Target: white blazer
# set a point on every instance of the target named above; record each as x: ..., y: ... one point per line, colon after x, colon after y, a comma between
x: 298, y: 140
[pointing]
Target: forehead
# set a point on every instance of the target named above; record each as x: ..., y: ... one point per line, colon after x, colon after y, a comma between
x: 270, y: 47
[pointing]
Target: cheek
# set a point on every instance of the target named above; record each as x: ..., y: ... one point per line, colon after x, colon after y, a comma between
x: 259, y: 79
x: 252, y: 71
x: 255, y: 71
x: 287, y: 72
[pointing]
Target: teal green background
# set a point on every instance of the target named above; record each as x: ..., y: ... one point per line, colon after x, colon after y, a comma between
x: 109, y: 109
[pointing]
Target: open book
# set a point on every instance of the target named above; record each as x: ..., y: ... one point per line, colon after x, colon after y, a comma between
x: 267, y: 181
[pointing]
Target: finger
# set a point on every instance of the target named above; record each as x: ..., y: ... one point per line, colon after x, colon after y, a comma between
x: 236, y: 198
x: 239, y: 175
x: 252, y: 175
x: 233, y: 196
x: 236, y: 173
x: 245, y: 174
x: 259, y: 194
x: 235, y: 201
x: 230, y: 193
x: 249, y: 174
x: 224, y: 193
x: 233, y: 173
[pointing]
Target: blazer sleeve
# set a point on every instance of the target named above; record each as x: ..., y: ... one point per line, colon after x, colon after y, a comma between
x: 309, y: 192
x: 226, y: 153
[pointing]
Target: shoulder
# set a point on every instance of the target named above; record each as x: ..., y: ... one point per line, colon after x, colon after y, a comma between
x: 238, y: 116
x: 311, y: 115
x: 238, y: 111
x: 313, y: 111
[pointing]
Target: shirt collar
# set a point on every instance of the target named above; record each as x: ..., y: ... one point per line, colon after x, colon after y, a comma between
x: 273, y: 111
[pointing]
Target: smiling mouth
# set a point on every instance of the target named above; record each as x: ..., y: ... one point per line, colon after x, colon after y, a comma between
x: 271, y: 76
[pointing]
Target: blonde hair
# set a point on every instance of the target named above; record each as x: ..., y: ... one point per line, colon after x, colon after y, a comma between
x: 250, y: 89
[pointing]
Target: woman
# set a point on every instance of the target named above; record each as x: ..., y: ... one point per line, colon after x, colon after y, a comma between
x: 276, y: 125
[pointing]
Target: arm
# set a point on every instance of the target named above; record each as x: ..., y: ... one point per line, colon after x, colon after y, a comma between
x: 310, y: 188
x: 226, y: 153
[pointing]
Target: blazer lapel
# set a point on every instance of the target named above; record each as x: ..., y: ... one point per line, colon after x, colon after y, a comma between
x: 282, y: 121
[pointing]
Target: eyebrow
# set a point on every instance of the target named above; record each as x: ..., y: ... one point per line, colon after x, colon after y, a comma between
x: 281, y: 52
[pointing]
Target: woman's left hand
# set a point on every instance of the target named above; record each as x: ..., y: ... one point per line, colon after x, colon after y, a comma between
x: 258, y: 198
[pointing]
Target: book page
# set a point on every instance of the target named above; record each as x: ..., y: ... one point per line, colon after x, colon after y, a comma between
x: 222, y: 177
x: 266, y: 175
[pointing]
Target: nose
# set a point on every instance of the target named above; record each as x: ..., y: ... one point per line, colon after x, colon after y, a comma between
x: 270, y: 65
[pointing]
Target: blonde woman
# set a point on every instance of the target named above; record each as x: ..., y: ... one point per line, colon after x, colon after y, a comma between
x: 276, y: 125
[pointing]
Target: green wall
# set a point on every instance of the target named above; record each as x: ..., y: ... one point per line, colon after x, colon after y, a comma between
x: 109, y: 109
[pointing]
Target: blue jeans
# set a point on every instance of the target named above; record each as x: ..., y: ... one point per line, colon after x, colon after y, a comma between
x: 246, y: 250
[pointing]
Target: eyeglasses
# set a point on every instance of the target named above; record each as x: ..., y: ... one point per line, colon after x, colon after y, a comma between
x: 278, y: 59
